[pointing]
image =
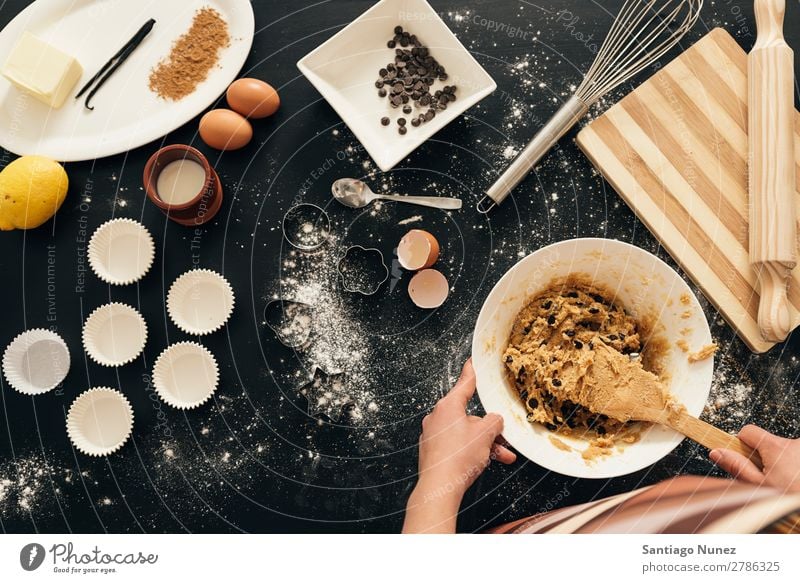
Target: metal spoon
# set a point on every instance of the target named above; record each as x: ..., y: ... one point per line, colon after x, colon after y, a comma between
x: 356, y: 194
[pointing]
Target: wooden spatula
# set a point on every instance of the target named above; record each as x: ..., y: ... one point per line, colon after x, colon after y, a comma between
x: 773, y: 237
x: 640, y: 396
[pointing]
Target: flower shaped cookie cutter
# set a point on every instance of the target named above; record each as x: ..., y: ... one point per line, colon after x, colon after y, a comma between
x: 362, y: 270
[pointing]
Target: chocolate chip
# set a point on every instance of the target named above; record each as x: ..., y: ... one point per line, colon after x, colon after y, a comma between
x: 550, y: 426
x: 572, y: 294
x: 524, y: 395
x: 379, y: 83
x: 547, y: 305
x: 578, y: 344
x: 415, y: 122
x: 526, y: 330
x: 594, y: 310
x: 402, y: 130
x: 407, y: 109
x: 429, y: 115
x: 556, y: 382
x: 612, y: 337
x: 533, y: 403
x: 398, y: 29
x: 551, y: 319
x: 381, y: 92
x: 391, y: 44
x: 600, y: 430
x: 401, y: 121
x: 509, y: 358
x: 385, y: 121
x: 570, y: 333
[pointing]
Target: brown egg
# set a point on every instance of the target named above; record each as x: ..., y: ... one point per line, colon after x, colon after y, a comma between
x: 253, y: 98
x: 224, y: 129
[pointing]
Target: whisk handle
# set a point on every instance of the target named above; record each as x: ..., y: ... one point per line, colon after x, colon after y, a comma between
x: 566, y: 117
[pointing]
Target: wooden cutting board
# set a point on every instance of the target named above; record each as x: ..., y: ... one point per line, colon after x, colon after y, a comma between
x: 676, y: 151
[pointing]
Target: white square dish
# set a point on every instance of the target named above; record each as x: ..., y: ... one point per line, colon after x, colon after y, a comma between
x: 344, y: 70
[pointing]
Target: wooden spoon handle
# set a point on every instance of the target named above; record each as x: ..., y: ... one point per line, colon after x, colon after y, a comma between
x: 711, y: 437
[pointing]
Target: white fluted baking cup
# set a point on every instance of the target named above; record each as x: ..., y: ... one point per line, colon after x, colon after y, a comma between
x: 121, y: 251
x: 99, y: 421
x: 36, y: 361
x: 114, y: 334
x: 200, y: 301
x: 185, y: 375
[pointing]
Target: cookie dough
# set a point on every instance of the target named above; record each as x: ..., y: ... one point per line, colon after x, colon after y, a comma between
x: 704, y: 353
x: 568, y: 357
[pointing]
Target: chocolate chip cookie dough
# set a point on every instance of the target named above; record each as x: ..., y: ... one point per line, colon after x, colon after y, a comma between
x: 565, y: 346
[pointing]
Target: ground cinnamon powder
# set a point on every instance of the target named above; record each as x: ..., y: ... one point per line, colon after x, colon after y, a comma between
x: 192, y: 56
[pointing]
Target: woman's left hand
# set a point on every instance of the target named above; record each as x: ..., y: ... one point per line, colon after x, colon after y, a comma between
x: 454, y: 449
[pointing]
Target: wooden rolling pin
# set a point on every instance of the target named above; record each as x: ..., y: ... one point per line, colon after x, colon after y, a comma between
x: 773, y: 237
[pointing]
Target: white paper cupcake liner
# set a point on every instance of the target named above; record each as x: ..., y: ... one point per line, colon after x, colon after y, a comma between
x: 99, y: 421
x: 200, y: 301
x: 185, y: 375
x: 114, y: 334
x: 36, y: 361
x: 121, y: 251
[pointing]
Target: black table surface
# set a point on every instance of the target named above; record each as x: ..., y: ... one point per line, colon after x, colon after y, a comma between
x: 256, y: 458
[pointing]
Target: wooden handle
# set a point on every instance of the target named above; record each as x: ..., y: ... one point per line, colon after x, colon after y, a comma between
x: 769, y: 21
x: 774, y: 312
x: 711, y: 437
x: 773, y: 227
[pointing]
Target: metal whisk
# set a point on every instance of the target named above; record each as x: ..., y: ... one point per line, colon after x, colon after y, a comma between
x: 642, y: 33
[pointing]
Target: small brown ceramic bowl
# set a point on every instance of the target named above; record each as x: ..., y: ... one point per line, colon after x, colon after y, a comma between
x: 199, y: 210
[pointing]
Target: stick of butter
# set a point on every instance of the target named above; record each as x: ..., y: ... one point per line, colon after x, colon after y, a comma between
x: 42, y: 70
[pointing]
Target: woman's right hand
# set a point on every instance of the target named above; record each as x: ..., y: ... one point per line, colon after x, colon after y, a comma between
x: 781, y: 459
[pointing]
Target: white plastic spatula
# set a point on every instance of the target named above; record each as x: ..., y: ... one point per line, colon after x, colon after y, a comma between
x: 773, y: 228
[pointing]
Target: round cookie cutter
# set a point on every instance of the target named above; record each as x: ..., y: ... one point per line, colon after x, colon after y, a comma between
x: 354, y: 270
x: 306, y: 227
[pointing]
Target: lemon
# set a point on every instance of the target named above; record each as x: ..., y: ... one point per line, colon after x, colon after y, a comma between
x: 32, y: 189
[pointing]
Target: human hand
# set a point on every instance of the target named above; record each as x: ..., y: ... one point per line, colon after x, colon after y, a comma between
x: 781, y: 459
x: 454, y: 449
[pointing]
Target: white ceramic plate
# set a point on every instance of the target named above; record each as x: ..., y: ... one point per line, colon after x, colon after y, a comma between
x: 645, y: 285
x: 127, y: 114
x: 344, y: 70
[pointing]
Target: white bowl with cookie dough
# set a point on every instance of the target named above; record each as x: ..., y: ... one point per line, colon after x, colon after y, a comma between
x: 572, y: 322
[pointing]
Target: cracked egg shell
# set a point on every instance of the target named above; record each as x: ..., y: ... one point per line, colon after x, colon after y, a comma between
x: 428, y: 289
x: 417, y: 250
